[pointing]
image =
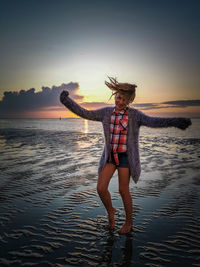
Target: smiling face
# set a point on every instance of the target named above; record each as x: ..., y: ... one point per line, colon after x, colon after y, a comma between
x: 121, y: 101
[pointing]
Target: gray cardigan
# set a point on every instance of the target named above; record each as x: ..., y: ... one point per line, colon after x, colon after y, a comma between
x: 135, y: 119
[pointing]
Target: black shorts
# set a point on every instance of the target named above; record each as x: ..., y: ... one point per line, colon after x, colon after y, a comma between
x: 123, y: 160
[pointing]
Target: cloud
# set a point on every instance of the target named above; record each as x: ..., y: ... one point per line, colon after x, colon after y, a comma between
x: 30, y: 100
x: 147, y: 106
x: 183, y: 103
x: 168, y: 104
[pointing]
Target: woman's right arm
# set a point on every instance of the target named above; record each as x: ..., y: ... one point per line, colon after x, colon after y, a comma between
x: 95, y: 115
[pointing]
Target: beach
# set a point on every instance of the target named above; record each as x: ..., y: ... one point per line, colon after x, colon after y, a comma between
x: 50, y: 212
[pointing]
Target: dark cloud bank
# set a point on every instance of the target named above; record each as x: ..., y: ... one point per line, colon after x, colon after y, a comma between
x: 14, y: 103
x: 151, y: 106
x: 169, y: 104
x: 30, y: 100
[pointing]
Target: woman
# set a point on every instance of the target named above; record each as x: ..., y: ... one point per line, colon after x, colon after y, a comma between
x: 121, y: 126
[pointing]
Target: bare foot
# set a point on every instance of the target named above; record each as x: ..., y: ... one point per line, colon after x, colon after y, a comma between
x: 111, y: 218
x: 126, y: 228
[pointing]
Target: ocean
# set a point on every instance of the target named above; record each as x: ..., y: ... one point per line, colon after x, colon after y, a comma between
x: 50, y: 212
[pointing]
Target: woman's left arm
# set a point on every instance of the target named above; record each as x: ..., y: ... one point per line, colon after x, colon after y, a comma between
x: 181, y: 123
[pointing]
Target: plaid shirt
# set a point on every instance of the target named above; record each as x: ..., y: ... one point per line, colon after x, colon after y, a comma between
x: 118, y: 133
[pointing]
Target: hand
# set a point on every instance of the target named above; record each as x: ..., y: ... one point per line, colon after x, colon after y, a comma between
x: 184, y: 123
x: 63, y: 96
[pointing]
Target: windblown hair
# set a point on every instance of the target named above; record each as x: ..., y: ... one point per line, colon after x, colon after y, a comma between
x: 124, y: 88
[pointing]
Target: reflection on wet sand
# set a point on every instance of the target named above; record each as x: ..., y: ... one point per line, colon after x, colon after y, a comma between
x: 124, y: 255
x: 51, y: 214
x: 85, y: 126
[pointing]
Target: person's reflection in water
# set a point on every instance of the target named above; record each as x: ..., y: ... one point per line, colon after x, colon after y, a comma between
x: 111, y: 247
x: 106, y: 258
x: 127, y: 252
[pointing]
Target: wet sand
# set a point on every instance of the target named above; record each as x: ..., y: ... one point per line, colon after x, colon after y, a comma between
x: 51, y: 214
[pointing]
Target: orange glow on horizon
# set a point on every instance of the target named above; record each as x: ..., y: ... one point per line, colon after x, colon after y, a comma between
x: 163, y: 112
x: 43, y: 114
x: 63, y: 112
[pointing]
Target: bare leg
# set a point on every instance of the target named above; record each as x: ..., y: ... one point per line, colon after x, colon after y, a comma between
x: 102, y: 189
x: 124, y: 179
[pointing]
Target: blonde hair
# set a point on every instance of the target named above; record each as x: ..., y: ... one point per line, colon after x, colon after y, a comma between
x: 124, y: 88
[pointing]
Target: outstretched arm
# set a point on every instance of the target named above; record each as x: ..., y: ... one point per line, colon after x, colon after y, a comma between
x: 95, y: 115
x: 181, y: 123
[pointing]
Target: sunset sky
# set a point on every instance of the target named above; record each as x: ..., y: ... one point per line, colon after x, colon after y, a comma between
x: 52, y: 45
